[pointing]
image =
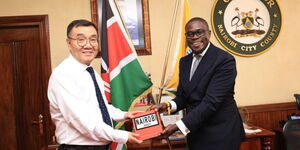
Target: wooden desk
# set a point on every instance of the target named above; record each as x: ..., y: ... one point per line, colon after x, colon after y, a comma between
x: 258, y: 141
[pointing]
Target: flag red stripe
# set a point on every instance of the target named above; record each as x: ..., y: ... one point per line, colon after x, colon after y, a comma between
x: 113, y: 146
x: 117, y: 45
x: 105, y: 78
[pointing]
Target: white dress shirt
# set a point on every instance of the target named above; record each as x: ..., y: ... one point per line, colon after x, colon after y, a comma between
x: 179, y: 123
x: 74, y: 107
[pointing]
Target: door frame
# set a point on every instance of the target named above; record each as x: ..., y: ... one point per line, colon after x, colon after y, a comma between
x: 41, y: 21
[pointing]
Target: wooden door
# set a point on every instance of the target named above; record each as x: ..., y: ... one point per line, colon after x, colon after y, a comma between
x: 24, y: 73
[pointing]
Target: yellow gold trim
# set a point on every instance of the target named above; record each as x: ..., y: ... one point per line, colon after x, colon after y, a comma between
x: 168, y: 106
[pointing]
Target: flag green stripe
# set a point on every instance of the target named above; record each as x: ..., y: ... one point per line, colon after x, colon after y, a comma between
x: 130, y: 83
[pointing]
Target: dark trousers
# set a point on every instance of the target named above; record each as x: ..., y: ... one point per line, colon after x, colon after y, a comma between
x: 83, y: 147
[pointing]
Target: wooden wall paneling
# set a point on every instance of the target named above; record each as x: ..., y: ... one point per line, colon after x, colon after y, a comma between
x: 268, y: 116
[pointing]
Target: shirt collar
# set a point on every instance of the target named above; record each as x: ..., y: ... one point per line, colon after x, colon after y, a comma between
x: 205, y: 50
x: 79, y: 66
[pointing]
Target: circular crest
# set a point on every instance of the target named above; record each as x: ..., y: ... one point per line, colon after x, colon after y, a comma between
x: 246, y: 27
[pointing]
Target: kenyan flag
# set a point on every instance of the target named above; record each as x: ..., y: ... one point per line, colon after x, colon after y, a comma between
x: 125, y: 80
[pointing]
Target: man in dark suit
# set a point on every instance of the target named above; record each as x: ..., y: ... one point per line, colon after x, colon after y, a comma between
x: 212, y: 121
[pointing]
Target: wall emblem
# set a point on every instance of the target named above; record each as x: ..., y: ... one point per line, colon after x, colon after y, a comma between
x: 246, y: 27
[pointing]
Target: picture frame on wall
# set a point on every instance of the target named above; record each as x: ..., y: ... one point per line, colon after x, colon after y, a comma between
x: 135, y: 14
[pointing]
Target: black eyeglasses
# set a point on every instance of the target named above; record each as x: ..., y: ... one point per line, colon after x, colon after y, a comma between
x: 82, y: 41
x: 198, y: 33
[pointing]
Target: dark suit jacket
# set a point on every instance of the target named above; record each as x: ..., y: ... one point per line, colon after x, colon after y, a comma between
x: 212, y: 115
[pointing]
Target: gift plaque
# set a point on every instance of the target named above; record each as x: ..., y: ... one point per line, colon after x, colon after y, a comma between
x: 147, y: 124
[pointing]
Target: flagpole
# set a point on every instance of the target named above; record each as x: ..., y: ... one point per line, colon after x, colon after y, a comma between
x: 161, y: 88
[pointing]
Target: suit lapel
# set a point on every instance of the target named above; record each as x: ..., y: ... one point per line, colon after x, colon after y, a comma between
x: 204, y: 65
x: 186, y: 66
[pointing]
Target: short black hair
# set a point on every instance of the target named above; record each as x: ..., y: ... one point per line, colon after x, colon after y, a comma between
x: 197, y: 19
x: 80, y: 22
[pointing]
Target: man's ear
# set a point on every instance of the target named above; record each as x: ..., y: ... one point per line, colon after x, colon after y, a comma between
x: 209, y: 33
x: 68, y: 41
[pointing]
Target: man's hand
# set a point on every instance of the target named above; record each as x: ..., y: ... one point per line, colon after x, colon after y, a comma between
x: 132, y: 138
x: 130, y: 115
x: 162, y: 107
x: 169, y: 130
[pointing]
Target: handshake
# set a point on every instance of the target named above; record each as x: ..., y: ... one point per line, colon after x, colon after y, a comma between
x: 147, y: 125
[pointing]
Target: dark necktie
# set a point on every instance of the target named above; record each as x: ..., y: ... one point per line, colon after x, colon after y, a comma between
x: 105, y: 114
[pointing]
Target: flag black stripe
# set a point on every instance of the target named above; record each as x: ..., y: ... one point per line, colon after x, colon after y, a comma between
x: 106, y: 15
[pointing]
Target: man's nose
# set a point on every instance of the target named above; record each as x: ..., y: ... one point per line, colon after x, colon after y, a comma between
x: 88, y: 44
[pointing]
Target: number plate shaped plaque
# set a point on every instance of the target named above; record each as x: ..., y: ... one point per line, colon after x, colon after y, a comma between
x: 147, y: 124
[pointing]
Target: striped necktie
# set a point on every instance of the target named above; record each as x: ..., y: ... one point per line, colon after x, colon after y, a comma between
x: 196, y: 61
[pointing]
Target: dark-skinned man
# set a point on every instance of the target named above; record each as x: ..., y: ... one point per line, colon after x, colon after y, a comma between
x: 206, y: 91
